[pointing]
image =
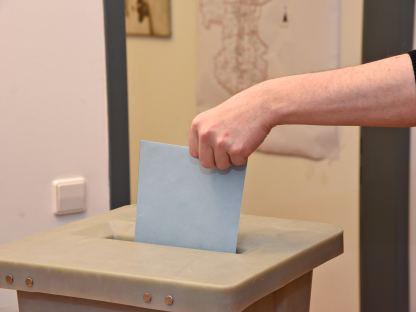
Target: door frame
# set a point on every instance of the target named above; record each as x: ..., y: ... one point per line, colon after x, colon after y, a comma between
x: 384, y: 173
x: 118, y: 126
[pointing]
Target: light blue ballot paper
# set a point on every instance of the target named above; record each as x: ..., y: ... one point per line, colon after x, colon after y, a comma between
x: 183, y: 204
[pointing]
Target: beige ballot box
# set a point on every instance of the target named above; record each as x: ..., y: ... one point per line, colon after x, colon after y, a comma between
x: 95, y: 266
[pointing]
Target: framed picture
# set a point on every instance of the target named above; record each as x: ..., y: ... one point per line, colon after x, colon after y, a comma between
x: 148, y: 17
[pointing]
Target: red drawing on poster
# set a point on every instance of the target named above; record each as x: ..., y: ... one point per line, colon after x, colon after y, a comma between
x: 240, y: 62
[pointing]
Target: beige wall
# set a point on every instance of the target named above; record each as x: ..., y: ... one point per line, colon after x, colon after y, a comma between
x: 161, y: 75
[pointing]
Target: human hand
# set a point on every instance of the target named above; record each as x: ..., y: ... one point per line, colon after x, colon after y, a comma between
x: 229, y: 133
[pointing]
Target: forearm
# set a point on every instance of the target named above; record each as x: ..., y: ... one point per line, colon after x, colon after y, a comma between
x: 381, y: 93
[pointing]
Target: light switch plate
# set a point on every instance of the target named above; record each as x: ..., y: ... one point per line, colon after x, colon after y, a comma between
x: 69, y: 196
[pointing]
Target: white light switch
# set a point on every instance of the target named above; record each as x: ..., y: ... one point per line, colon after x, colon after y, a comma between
x: 69, y: 196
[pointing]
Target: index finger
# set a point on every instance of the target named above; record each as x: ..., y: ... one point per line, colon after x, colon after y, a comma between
x: 193, y: 142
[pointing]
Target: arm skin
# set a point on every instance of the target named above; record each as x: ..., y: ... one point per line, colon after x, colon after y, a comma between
x: 381, y: 93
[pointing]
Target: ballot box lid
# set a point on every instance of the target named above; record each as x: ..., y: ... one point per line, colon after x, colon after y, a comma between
x: 97, y: 259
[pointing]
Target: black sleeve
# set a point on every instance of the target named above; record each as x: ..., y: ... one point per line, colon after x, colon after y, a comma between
x: 412, y: 55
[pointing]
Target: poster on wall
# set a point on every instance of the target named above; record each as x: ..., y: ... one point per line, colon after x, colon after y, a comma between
x: 148, y: 17
x: 241, y: 43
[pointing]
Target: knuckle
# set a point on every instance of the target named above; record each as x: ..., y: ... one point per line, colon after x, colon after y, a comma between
x: 236, y: 151
x: 195, y: 124
x: 245, y: 153
x: 205, y: 135
x: 221, y: 143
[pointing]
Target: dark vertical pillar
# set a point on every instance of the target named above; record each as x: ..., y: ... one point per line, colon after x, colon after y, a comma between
x: 384, y: 200
x: 115, y: 35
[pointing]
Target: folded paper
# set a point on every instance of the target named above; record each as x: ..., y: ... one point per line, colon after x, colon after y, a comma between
x: 183, y: 204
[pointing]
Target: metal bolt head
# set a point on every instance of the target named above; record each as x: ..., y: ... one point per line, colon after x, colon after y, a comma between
x: 9, y: 279
x: 29, y: 282
x: 169, y: 300
x: 147, y: 297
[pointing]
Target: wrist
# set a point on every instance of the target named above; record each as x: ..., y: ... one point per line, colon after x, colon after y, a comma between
x: 273, y: 103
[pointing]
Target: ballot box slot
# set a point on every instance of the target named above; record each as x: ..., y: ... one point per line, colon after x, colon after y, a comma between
x: 128, y: 238
x: 124, y: 231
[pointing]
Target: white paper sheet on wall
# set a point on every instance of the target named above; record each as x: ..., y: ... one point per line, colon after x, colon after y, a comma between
x: 241, y: 43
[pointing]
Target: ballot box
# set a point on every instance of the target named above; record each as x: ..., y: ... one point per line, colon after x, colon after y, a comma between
x: 94, y: 265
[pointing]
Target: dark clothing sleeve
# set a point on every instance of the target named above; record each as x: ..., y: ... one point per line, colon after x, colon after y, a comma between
x: 412, y: 55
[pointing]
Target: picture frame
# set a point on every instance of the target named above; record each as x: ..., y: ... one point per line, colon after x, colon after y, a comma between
x: 148, y: 18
